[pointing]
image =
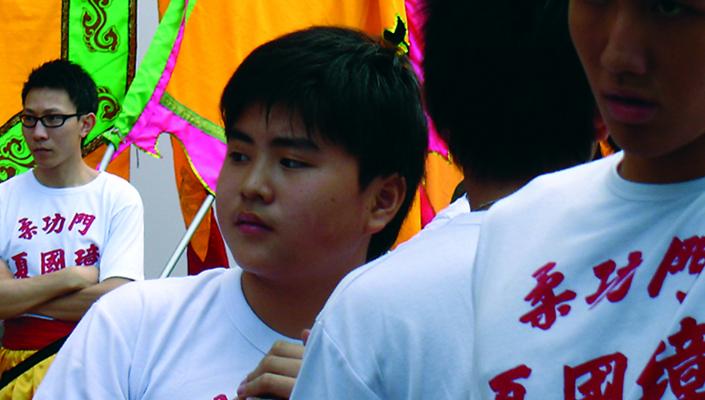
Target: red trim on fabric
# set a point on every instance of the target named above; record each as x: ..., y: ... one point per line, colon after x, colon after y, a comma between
x: 215, y: 256
x: 28, y: 333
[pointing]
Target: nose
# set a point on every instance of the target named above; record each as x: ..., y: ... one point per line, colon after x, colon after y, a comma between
x: 38, y: 133
x: 257, y: 183
x: 625, y: 52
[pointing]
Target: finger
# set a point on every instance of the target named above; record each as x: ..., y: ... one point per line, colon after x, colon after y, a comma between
x: 267, y: 385
x: 286, y: 349
x: 285, y: 366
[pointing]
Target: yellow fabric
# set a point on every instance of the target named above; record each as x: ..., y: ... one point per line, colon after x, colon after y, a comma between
x: 441, y: 178
x: 191, y: 196
x: 30, y: 35
x: 24, y: 386
x: 221, y: 33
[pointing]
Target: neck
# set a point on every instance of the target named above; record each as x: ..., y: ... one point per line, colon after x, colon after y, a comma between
x: 483, y: 193
x: 288, y: 308
x: 685, y: 164
x: 67, y: 176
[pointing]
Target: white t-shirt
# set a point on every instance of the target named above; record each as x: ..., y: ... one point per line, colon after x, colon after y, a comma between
x: 460, y: 206
x: 588, y: 286
x: 45, y: 229
x: 397, y: 328
x: 176, y: 338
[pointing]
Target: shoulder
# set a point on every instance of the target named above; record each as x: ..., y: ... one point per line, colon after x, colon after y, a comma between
x: 431, y: 263
x: 158, y: 296
x: 118, y: 188
x: 554, y: 189
x: 23, y: 179
x: 406, y: 312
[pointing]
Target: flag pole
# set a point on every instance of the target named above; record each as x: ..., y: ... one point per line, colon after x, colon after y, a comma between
x: 171, y: 264
x: 107, y: 156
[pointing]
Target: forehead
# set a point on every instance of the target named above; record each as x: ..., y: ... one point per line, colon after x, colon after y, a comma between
x: 262, y: 123
x: 48, y: 99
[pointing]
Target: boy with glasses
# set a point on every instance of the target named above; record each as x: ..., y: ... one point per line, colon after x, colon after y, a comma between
x: 68, y: 233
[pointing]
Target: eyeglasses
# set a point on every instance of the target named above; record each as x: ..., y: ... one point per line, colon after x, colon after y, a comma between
x: 49, y: 121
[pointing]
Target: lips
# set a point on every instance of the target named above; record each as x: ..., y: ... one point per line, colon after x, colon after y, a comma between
x: 40, y: 151
x: 629, y: 108
x: 250, y: 223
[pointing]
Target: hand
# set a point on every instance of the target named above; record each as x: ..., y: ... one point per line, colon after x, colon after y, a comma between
x: 82, y: 277
x: 276, y: 373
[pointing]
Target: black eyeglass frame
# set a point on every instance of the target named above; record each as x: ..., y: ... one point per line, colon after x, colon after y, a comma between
x: 64, y: 117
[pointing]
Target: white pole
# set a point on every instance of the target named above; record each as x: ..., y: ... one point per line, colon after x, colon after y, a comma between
x: 171, y: 264
x: 109, y: 151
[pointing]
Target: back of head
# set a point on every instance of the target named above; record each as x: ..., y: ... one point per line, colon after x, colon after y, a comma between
x: 505, y: 87
x: 349, y: 90
x: 68, y: 76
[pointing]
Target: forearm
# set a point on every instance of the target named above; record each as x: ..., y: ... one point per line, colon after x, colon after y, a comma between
x: 18, y: 296
x: 73, y: 306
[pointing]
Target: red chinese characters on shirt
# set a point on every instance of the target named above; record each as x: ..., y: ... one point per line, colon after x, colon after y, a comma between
x: 88, y: 256
x: 53, y: 261
x: 53, y: 224
x: 598, y: 379
x: 505, y: 387
x: 681, y: 254
x: 617, y: 288
x: 21, y: 267
x: 82, y: 219
x: 27, y: 229
x: 547, y: 304
x: 683, y: 370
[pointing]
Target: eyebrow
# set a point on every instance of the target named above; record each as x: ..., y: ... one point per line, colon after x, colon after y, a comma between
x: 301, y: 143
x: 48, y: 111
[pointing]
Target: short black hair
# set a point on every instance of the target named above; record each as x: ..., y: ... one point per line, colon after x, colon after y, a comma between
x: 68, y: 76
x: 350, y: 90
x: 505, y: 88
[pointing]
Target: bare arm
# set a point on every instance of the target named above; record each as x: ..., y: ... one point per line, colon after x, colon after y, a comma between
x: 18, y: 296
x: 71, y: 307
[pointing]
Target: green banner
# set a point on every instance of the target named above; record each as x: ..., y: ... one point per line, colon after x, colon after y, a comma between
x: 15, y: 157
x: 101, y: 36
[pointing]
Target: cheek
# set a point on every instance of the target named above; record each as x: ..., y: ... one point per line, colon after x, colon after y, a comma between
x: 320, y: 207
x: 584, y: 34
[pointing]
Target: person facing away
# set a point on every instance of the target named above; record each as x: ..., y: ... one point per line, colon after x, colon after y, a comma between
x: 505, y: 87
x: 69, y: 233
x: 326, y: 142
x: 587, y: 282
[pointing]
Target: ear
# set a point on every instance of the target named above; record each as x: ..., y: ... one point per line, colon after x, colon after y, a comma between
x: 87, y: 122
x: 385, y: 198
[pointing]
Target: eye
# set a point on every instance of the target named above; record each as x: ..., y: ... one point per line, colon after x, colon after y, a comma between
x: 293, y: 164
x: 53, y: 119
x: 28, y: 119
x: 668, y: 8
x: 238, y: 157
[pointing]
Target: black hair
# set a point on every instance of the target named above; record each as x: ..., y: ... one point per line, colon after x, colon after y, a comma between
x: 68, y: 76
x: 348, y: 89
x: 505, y: 88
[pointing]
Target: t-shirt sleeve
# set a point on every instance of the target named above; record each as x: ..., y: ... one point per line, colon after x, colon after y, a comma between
x: 326, y: 373
x: 123, y: 253
x: 94, y: 363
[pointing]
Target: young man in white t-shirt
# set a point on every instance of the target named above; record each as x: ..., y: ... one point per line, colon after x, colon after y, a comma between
x: 326, y: 141
x: 68, y: 234
x: 503, y: 85
x: 588, y: 281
